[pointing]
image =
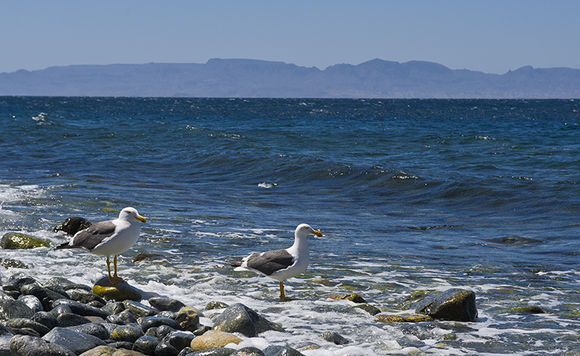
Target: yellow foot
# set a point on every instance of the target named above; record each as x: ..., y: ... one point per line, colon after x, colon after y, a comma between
x: 286, y: 299
x: 116, y: 280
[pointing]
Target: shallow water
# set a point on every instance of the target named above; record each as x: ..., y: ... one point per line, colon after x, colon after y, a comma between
x: 412, y: 196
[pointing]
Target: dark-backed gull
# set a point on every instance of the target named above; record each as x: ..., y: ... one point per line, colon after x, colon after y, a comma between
x: 110, y: 237
x: 281, y: 264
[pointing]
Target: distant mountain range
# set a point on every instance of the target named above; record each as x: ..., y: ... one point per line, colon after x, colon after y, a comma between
x: 256, y: 78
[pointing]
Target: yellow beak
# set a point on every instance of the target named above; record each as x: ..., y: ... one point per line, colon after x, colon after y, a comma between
x: 317, y: 233
x: 140, y: 218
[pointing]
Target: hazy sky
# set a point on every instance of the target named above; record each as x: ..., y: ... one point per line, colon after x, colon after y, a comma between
x: 491, y: 36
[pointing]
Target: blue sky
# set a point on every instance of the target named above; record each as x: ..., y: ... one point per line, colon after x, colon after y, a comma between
x: 491, y: 36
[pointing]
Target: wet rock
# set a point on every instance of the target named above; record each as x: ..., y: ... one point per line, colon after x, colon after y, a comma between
x: 274, y: 350
x: 72, y: 225
x: 402, y: 318
x: 61, y: 309
x: 334, y: 337
x: 215, y: 305
x: 140, y: 310
x: 221, y: 351
x: 102, y: 350
x: 179, y: 339
x: 168, y: 314
x: 248, y: 351
x: 75, y: 341
x: 146, y: 256
x: 114, y: 307
x: 371, y: 309
x: 45, y: 295
x: 122, y: 345
x: 128, y: 333
x: 96, y: 330
x: 354, y: 297
x: 32, y: 302
x: 155, y: 321
x: 146, y: 344
x: 84, y: 296
x: 45, y: 318
x: 201, y: 330
x: 165, y: 349
x: 188, y: 319
x: 528, y: 309
x: 81, y: 309
x: 34, y: 346
x: 160, y: 332
x: 22, y: 323
x: 11, y: 263
x: 453, y: 304
x: 16, y: 282
x: 214, y: 339
x: 13, y: 241
x: 119, y: 292
x: 11, y: 308
x: 124, y: 317
x: 70, y: 319
x: 166, y: 304
x: 240, y: 318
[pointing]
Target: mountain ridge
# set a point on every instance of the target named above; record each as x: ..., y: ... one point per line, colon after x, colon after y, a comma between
x: 238, y: 77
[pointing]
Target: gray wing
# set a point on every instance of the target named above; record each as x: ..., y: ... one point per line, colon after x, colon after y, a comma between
x: 90, y: 237
x: 270, y: 262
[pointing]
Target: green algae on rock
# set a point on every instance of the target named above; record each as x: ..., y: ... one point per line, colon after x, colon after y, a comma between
x: 453, y: 304
x: 403, y: 318
x: 14, y: 240
x: 119, y: 292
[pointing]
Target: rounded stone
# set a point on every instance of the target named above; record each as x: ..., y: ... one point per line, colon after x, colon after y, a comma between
x: 213, y: 339
x: 128, y: 333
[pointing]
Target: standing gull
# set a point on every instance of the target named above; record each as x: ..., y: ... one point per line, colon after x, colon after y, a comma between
x: 110, y: 237
x: 281, y: 264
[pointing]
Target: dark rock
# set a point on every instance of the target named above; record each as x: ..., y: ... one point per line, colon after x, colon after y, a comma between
x: 159, y: 332
x: 13, y: 241
x: 128, y: 333
x: 45, y: 318
x: 61, y: 309
x: 273, y: 350
x: 57, y: 284
x: 528, y: 309
x: 179, y: 339
x: 155, y: 321
x: 5, y: 331
x: 110, y: 327
x: 72, y: 225
x: 248, y: 351
x: 32, y: 302
x: 334, y: 337
x: 16, y: 281
x: 168, y: 314
x: 140, y: 310
x: 119, y: 292
x: 371, y: 309
x: 22, y: 323
x: 188, y: 319
x: 81, y: 309
x: 75, y: 341
x: 11, y: 263
x: 34, y: 346
x: 144, y: 256
x: 201, y: 330
x: 124, y: 317
x: 453, y: 304
x: 355, y: 298
x: 122, y: 345
x: 146, y: 344
x: 403, y: 318
x: 216, y: 305
x: 166, y: 304
x: 11, y: 308
x: 70, y: 319
x: 165, y: 349
x: 97, y: 330
x: 185, y: 351
x: 45, y: 295
x: 114, y: 307
x: 240, y: 318
x: 220, y: 351
x: 26, y: 331
x: 84, y: 296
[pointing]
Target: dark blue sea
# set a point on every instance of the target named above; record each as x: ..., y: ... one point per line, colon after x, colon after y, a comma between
x: 413, y: 197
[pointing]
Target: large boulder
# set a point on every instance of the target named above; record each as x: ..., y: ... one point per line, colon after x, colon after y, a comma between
x: 453, y: 304
x: 240, y: 318
x: 72, y: 225
x: 14, y: 240
x: 25, y: 345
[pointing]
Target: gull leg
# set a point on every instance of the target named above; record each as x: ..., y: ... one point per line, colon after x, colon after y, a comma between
x: 116, y: 279
x: 109, y: 269
x: 282, y: 295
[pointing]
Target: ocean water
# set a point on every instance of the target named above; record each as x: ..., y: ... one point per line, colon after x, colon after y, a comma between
x: 411, y: 195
